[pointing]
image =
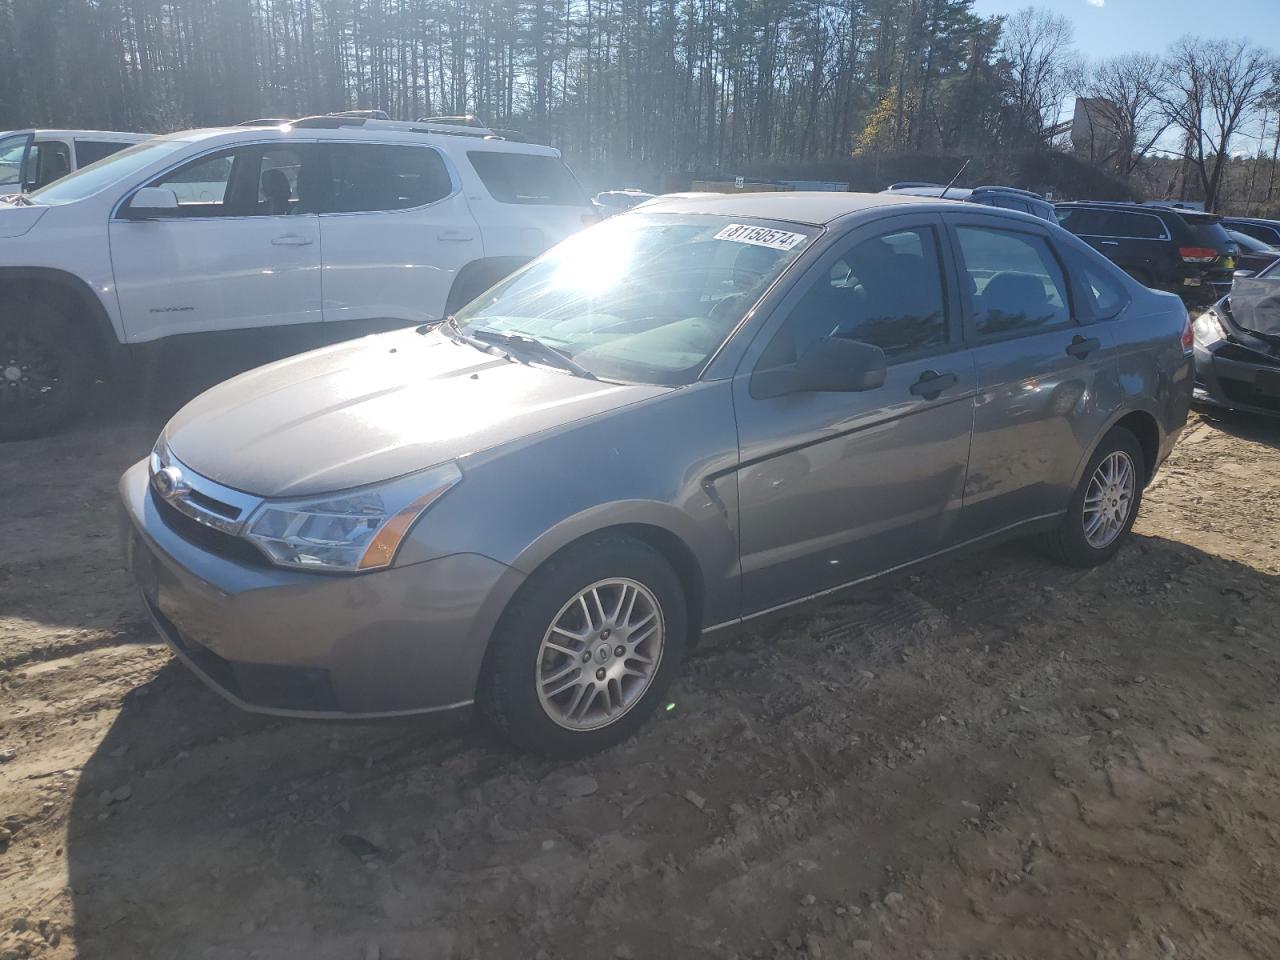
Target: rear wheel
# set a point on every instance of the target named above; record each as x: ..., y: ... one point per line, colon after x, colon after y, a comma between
x: 46, y: 369
x: 586, y: 649
x: 1105, y: 503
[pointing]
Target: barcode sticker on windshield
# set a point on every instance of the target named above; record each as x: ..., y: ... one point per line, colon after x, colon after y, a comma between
x: 760, y: 236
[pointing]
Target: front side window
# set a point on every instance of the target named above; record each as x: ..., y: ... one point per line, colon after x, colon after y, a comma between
x: 885, y: 291
x: 644, y: 298
x: 381, y: 176
x: 1017, y: 283
x: 202, y: 183
x: 49, y: 160
x: 527, y: 178
x: 260, y: 180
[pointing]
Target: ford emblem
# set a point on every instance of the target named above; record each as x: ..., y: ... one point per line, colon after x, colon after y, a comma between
x: 168, y: 482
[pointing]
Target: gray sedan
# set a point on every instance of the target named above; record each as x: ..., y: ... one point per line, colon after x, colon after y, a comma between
x: 672, y: 424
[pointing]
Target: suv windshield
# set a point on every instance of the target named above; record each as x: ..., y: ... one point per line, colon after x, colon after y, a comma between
x: 87, y: 181
x: 641, y: 298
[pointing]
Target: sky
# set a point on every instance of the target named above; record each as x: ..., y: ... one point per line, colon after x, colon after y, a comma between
x: 1105, y: 28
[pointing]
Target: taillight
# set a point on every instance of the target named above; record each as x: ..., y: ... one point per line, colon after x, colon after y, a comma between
x: 1188, y: 335
x: 1198, y: 254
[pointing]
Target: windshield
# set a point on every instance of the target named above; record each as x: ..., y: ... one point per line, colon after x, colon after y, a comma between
x: 87, y: 181
x: 11, y: 151
x: 645, y: 298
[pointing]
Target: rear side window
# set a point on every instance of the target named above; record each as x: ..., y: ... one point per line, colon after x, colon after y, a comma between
x: 1140, y: 226
x: 1258, y: 231
x: 1106, y: 294
x: 382, y: 176
x: 527, y: 178
x: 1017, y: 283
x: 91, y: 151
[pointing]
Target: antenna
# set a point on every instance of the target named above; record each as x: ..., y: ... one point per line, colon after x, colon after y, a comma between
x: 954, y: 179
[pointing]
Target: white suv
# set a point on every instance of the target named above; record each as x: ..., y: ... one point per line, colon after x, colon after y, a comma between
x: 347, y: 223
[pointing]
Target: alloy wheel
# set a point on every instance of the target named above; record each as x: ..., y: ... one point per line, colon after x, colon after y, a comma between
x: 600, y: 654
x: 1109, y: 499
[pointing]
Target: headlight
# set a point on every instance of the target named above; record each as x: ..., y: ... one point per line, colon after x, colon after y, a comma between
x: 347, y: 532
x: 1208, y: 328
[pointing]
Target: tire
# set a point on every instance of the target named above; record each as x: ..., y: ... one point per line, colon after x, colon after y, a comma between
x: 1071, y: 542
x: 525, y: 692
x: 46, y: 369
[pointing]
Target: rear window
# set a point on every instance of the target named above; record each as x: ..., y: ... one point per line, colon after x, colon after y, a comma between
x: 527, y: 178
x: 1208, y: 231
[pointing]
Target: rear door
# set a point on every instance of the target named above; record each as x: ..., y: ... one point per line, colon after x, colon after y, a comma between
x: 836, y: 486
x: 396, y: 231
x: 241, y: 251
x: 1045, y: 376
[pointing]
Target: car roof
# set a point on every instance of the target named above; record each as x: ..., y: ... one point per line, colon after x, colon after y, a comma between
x: 378, y: 131
x: 816, y: 207
x: 102, y: 134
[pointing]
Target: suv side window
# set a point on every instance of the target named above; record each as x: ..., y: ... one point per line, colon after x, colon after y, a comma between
x: 91, y: 151
x: 201, y: 185
x: 527, y: 178
x: 384, y: 176
x: 50, y: 159
x: 886, y: 291
x: 258, y: 180
x: 1017, y: 283
x: 1138, y: 226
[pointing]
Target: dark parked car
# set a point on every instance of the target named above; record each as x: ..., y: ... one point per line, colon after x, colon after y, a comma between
x: 1007, y: 198
x: 1181, y: 251
x: 1237, y: 346
x: 1254, y: 256
x: 1268, y: 231
x: 674, y: 423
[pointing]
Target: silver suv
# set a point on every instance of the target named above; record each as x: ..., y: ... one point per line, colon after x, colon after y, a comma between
x: 672, y: 424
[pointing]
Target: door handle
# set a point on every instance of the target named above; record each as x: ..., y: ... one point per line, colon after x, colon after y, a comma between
x: 932, y: 383
x: 461, y: 235
x: 1080, y: 347
x: 291, y: 240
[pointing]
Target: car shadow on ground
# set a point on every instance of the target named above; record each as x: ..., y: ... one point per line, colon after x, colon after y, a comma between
x: 1247, y: 426
x: 841, y: 740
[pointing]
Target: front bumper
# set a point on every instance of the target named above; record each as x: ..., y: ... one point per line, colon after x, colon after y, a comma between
x: 394, y: 642
x: 1234, y: 376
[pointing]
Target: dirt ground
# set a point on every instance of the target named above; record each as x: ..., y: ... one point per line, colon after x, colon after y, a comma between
x: 991, y: 757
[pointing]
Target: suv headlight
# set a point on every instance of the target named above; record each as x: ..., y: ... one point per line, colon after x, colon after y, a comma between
x: 347, y: 532
x: 1208, y: 328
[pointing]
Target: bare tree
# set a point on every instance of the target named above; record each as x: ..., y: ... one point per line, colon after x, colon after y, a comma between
x: 1124, y: 109
x: 1037, y: 46
x: 1210, y: 87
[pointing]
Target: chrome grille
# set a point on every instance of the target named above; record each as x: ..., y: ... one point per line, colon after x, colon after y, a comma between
x: 203, y: 500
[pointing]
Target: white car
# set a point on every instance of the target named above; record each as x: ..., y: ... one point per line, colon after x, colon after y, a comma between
x: 30, y: 159
x: 347, y: 223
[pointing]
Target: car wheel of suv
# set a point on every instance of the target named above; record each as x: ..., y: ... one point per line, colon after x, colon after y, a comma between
x: 586, y: 649
x: 1104, y: 505
x: 45, y: 369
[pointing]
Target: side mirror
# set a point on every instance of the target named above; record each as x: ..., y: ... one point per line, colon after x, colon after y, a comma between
x: 1243, y: 274
x: 828, y: 365
x: 150, y: 201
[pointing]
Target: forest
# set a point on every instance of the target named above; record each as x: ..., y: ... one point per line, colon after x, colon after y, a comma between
x: 650, y: 88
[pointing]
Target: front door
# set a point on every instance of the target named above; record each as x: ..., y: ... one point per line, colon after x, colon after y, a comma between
x: 1045, y: 379
x: 396, y: 232
x: 836, y: 486
x: 242, y: 250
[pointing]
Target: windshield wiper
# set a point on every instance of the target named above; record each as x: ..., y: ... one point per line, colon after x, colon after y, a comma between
x: 530, y: 346
x: 18, y: 200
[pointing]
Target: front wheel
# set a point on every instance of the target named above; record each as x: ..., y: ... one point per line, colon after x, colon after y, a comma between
x: 45, y: 369
x: 586, y: 649
x: 1104, y: 505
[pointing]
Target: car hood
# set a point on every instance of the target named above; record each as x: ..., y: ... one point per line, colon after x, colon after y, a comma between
x: 1255, y: 305
x: 16, y: 220
x: 375, y: 408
